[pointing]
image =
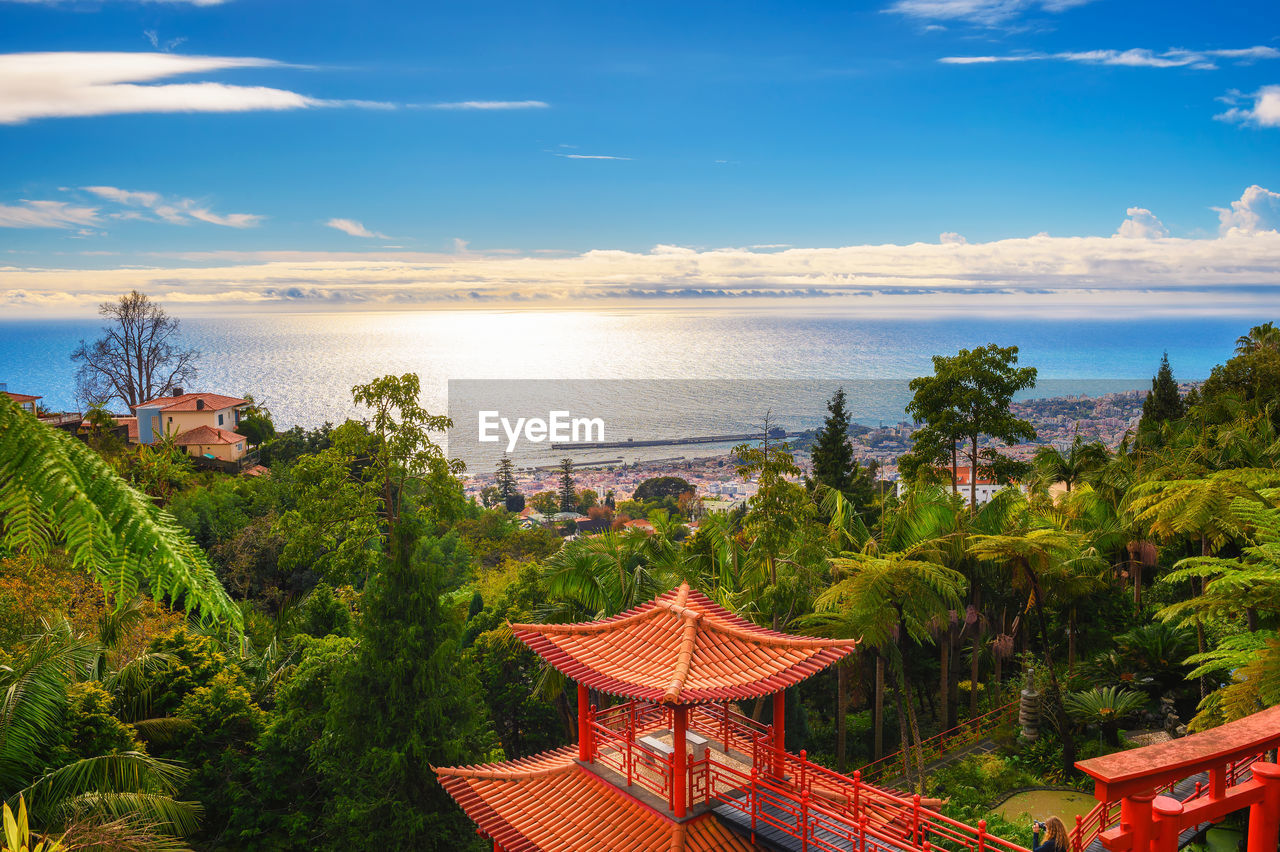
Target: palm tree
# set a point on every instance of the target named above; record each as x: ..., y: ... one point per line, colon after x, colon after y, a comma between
x: 1265, y: 336
x: 1030, y: 554
x: 127, y: 784
x: 1071, y: 468
x: 55, y: 490
x: 887, y: 600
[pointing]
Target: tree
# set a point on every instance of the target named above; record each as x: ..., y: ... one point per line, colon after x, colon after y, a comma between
x: 833, y: 464
x: 567, y: 495
x: 54, y: 489
x: 1163, y: 403
x: 139, y: 358
x: 1070, y: 468
x: 1030, y: 554
x: 1265, y: 336
x: 407, y: 702
x: 661, y: 487
x: 106, y: 783
x: 402, y: 452
x: 888, y: 600
x: 1206, y: 511
x: 505, y: 479
x: 255, y: 422
x: 968, y: 397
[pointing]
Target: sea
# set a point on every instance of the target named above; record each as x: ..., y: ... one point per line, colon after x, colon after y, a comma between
x: 646, y: 373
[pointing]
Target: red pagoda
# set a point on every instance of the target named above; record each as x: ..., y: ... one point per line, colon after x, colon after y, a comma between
x: 675, y: 763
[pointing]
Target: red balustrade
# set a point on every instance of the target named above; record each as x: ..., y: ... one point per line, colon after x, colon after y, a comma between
x: 1140, y: 781
x: 967, y: 733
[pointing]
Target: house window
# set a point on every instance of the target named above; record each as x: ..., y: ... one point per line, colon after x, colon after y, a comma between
x: 219, y: 419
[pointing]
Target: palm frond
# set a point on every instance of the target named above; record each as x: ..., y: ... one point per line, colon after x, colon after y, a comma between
x: 54, y: 488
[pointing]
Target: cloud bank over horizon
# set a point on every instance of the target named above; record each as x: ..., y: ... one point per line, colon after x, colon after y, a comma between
x: 1139, y: 270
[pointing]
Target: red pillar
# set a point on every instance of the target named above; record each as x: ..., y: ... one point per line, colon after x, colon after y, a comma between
x: 679, y: 760
x: 584, y: 726
x: 1166, y: 825
x: 1264, y: 816
x: 779, y: 732
x: 1135, y: 818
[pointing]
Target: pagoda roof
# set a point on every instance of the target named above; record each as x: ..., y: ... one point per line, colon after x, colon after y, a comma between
x: 549, y: 802
x: 681, y: 647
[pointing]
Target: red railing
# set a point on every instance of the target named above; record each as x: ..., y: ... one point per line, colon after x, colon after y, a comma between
x: 1106, y: 814
x: 829, y: 811
x: 967, y: 733
x: 822, y: 808
x: 620, y: 751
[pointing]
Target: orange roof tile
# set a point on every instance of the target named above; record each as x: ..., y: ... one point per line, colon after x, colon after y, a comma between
x: 131, y: 423
x: 207, y: 435
x: 22, y: 397
x: 187, y: 402
x: 548, y: 802
x: 681, y: 647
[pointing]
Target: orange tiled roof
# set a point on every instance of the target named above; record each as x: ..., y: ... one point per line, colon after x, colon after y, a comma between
x: 207, y: 435
x: 22, y: 397
x: 131, y: 423
x: 681, y: 647
x: 187, y: 402
x: 548, y: 802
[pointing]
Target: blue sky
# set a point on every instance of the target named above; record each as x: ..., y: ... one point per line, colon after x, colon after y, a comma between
x: 473, y: 136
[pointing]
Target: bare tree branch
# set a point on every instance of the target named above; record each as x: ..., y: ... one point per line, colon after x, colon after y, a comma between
x: 139, y: 357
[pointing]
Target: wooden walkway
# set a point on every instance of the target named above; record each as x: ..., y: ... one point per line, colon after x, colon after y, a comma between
x: 768, y: 836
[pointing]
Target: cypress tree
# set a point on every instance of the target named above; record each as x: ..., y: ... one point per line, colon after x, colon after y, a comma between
x: 409, y: 700
x: 506, y: 482
x: 568, y: 496
x: 832, y: 455
x: 1163, y: 403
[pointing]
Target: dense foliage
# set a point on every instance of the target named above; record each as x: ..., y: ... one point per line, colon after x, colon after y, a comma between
x: 353, y: 607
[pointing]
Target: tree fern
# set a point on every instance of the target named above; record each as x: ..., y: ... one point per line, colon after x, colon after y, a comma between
x: 54, y: 489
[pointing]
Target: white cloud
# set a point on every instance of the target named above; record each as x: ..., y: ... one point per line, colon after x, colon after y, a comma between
x: 951, y: 238
x: 987, y: 13
x: 492, y: 105
x: 46, y: 214
x: 591, y: 157
x: 1137, y: 57
x: 354, y: 228
x: 1142, y: 224
x: 45, y: 85
x: 1235, y: 273
x: 1258, y: 210
x: 1265, y: 111
x: 176, y: 211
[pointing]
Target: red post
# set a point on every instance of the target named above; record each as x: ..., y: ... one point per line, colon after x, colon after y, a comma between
x: 584, y: 725
x: 1135, y: 818
x: 679, y: 756
x: 1217, y: 783
x: 1264, y: 816
x: 1077, y: 838
x: 725, y: 738
x: 779, y: 732
x: 982, y: 835
x: 915, y: 819
x: 1167, y: 824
